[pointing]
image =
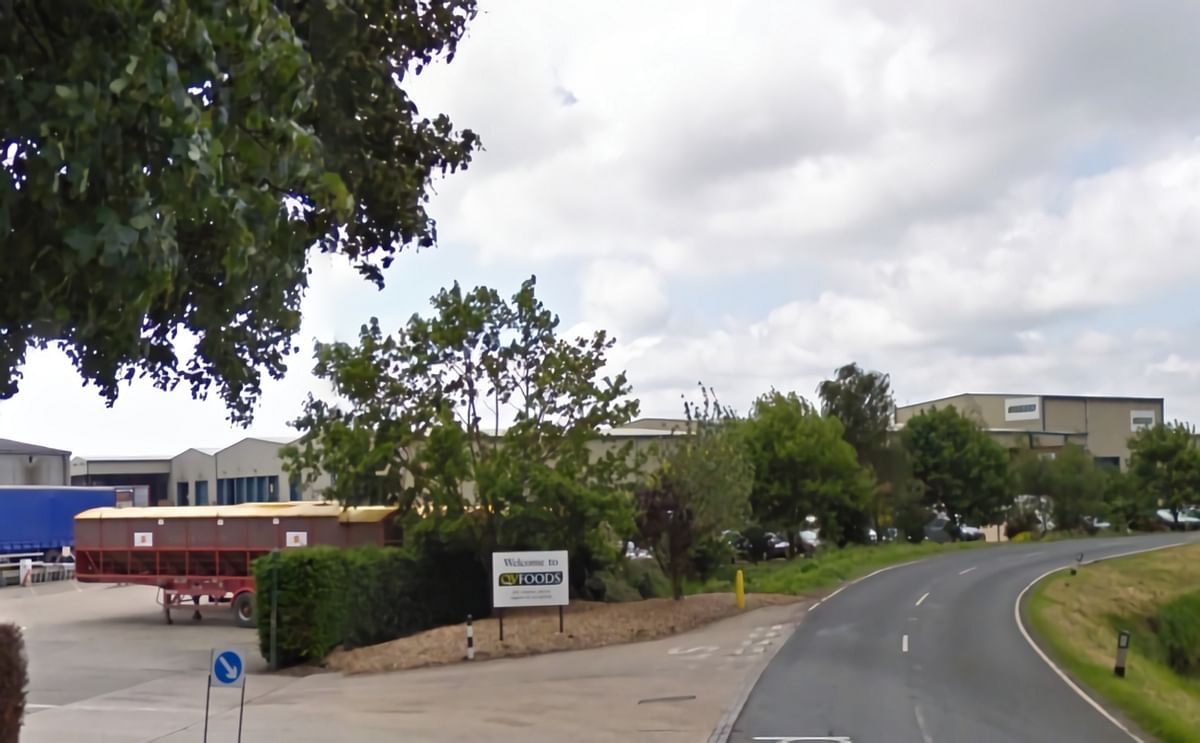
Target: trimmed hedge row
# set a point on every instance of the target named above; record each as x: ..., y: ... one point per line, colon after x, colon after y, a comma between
x: 328, y: 597
x: 13, y: 682
x: 1178, y: 628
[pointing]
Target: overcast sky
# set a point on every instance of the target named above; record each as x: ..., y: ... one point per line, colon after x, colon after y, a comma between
x: 968, y: 196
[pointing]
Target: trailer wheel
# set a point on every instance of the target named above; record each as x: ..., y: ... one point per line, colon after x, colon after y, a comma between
x: 243, y: 609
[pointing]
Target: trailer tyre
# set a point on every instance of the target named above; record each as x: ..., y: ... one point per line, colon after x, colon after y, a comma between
x: 243, y: 609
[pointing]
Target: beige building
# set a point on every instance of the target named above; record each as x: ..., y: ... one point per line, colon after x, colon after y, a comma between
x: 250, y: 471
x: 1046, y: 423
x: 30, y: 464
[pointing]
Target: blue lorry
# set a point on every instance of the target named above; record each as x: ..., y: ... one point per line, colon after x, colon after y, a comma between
x: 42, y: 518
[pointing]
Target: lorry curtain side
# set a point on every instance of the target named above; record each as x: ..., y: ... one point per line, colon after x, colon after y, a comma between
x: 39, y: 519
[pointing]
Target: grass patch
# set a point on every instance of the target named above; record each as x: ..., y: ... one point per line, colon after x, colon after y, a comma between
x: 829, y: 568
x: 1077, y: 619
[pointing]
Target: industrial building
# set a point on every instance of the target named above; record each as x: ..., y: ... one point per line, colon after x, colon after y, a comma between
x: 30, y: 464
x: 1047, y: 423
x: 250, y: 471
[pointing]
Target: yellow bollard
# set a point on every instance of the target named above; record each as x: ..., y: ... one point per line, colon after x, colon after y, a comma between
x: 739, y: 590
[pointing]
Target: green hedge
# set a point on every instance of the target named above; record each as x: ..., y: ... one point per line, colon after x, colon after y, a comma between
x: 1178, y: 629
x: 13, y: 682
x: 354, y: 597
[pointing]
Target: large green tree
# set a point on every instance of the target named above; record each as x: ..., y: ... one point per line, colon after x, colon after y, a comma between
x: 862, y: 400
x: 702, y: 487
x: 1164, y: 462
x: 959, y: 468
x: 481, y: 424
x: 804, y: 467
x: 169, y: 166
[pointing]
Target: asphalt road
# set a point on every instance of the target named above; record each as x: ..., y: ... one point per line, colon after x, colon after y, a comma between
x: 930, y: 653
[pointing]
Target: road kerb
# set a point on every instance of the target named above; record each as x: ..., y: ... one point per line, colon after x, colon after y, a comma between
x: 724, y: 728
x: 729, y: 718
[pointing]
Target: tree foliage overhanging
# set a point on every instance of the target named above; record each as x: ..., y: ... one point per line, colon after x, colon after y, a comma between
x: 168, y: 167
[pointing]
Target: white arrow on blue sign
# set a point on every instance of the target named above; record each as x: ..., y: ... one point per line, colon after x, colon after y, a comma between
x: 227, y: 669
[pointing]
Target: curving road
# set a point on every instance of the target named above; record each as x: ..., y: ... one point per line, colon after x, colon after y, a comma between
x: 931, y: 653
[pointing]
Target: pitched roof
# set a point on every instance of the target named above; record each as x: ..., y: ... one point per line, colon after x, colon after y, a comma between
x: 8, y: 446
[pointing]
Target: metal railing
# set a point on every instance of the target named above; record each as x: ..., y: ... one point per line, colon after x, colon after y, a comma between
x: 13, y: 569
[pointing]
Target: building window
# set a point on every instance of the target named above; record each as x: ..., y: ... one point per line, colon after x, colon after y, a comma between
x: 1139, y: 419
x: 1021, y: 409
x: 181, y: 494
x: 202, y: 492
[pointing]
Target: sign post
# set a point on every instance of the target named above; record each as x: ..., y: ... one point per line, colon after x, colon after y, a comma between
x: 1122, y: 650
x: 226, y: 668
x: 530, y: 579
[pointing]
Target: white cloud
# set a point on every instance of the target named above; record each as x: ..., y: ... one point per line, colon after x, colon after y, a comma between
x: 970, y: 196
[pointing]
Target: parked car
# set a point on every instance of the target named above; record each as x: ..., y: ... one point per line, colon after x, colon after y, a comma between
x: 1094, y: 524
x: 872, y: 536
x: 738, y: 542
x: 777, y: 546
x: 937, y: 531
x: 1186, y: 521
x: 970, y: 533
x: 890, y: 534
x: 633, y: 552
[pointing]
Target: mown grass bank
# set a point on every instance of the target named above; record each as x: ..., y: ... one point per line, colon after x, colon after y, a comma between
x: 829, y: 568
x: 1077, y: 619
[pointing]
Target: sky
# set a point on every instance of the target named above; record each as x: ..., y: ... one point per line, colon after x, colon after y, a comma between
x: 970, y: 197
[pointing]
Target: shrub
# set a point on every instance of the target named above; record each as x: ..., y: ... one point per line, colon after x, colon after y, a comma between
x: 756, y: 540
x: 1024, y: 536
x: 1021, y: 521
x: 13, y: 682
x: 311, y: 591
x: 362, y: 596
x: 710, y: 555
x: 1178, y: 629
x: 648, y: 578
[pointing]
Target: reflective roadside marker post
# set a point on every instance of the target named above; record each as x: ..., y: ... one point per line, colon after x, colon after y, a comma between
x: 1122, y: 649
x: 226, y: 668
x: 739, y: 590
x: 470, y: 639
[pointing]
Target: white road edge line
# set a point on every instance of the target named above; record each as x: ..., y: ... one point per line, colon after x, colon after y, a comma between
x: 964, y: 572
x: 1046, y: 659
x: 904, y: 644
x: 921, y: 724
x: 922, y: 599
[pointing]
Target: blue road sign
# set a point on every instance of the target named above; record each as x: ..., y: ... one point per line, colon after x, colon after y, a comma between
x: 227, y: 668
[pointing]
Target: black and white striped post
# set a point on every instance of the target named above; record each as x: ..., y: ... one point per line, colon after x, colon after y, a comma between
x: 470, y: 639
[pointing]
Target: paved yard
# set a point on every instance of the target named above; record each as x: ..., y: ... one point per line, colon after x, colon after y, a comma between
x: 106, y: 669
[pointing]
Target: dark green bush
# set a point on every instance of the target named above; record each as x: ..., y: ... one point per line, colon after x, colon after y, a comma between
x: 647, y: 578
x: 13, y: 682
x: 1020, y: 521
x: 756, y: 541
x: 354, y: 597
x: 710, y: 555
x: 311, y: 607
x: 1178, y: 629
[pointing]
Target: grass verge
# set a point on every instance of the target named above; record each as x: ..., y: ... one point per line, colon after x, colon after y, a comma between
x: 828, y: 569
x: 1077, y: 618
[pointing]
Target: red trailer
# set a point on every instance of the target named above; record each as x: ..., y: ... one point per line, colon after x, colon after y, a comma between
x: 197, y: 551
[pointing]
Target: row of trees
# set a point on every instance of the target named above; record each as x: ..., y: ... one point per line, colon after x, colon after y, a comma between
x: 486, y: 428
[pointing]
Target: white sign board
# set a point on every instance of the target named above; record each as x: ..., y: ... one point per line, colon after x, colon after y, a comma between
x: 296, y: 539
x: 143, y: 539
x: 529, y: 579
